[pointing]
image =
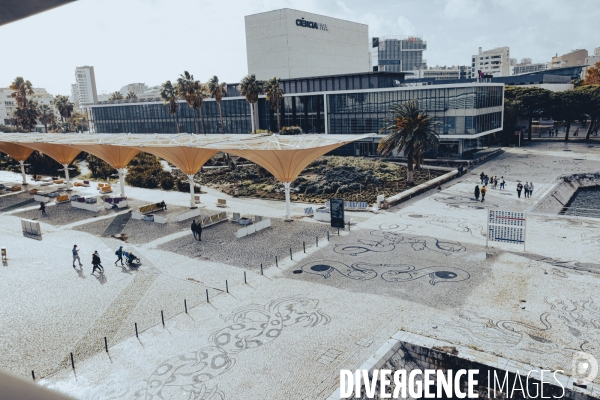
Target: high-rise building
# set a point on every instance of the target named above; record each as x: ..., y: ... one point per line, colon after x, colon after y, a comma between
x: 398, y: 53
x: 75, y: 96
x: 137, y: 88
x: 526, y: 66
x: 575, y: 58
x: 441, y: 73
x: 495, y: 62
x: 293, y: 44
x: 86, y: 85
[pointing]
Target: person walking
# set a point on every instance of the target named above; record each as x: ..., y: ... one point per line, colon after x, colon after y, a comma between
x: 460, y: 171
x: 526, y: 189
x: 119, y: 254
x: 76, y: 256
x: 483, y: 192
x: 95, y: 262
x: 43, y: 207
x: 194, y: 228
x: 502, y: 183
x: 519, y: 188
x: 495, y: 182
x: 476, y: 192
x: 530, y: 188
x: 199, y: 230
x: 99, y: 262
x: 486, y: 180
x: 481, y: 176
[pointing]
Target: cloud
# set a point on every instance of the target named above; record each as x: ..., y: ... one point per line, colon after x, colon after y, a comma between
x: 462, y: 9
x: 405, y: 26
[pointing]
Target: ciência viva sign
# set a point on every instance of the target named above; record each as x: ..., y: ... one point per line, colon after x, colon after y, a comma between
x: 310, y: 24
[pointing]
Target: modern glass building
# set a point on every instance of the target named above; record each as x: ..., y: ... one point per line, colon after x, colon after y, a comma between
x: 466, y: 113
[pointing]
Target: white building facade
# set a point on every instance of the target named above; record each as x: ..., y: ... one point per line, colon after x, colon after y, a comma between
x: 8, y: 103
x: 288, y: 43
x: 137, y: 88
x: 495, y: 62
x: 86, y: 85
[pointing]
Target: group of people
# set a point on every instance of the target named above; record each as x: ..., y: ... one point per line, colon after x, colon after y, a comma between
x: 485, y: 181
x: 97, y: 263
x: 528, y: 188
x: 197, y: 230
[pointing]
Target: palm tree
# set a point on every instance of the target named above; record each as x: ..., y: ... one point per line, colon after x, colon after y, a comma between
x: 169, y: 95
x: 186, y: 88
x: 46, y: 115
x: 251, y: 88
x: 64, y: 107
x: 27, y: 116
x: 217, y: 91
x: 131, y: 95
x: 201, y: 94
x: 116, y: 95
x: 409, y: 130
x: 274, y: 94
x: 22, y: 89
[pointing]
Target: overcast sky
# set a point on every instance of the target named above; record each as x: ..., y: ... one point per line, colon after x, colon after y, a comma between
x: 151, y: 41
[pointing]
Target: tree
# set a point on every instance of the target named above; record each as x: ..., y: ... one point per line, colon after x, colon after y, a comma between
x: 22, y: 89
x: 592, y: 75
x: 46, y: 115
x: 251, y: 88
x: 169, y: 95
x: 116, y: 95
x: 565, y: 106
x: 589, y: 100
x: 64, y: 107
x: 27, y: 116
x: 534, y: 102
x: 411, y: 131
x: 217, y: 91
x: 131, y: 95
x: 78, y: 122
x: 201, y: 94
x: 187, y: 89
x: 99, y: 168
x: 510, y: 123
x: 274, y: 94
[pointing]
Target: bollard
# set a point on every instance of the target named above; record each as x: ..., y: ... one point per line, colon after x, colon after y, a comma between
x: 185, y: 305
x: 245, y: 274
x: 208, y: 301
x: 227, y: 286
x: 162, y: 316
x: 72, y: 362
x: 291, y: 254
x: 276, y: 263
x: 32, y: 375
x: 304, y: 246
x: 136, y: 332
x: 105, y: 344
x: 348, y: 226
x: 328, y: 236
x: 261, y: 271
x: 317, y: 240
x: 338, y: 231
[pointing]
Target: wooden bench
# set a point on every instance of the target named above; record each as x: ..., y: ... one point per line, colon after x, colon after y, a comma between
x: 33, y: 191
x: 58, y: 181
x: 62, y: 199
x: 16, y: 188
x: 214, y: 219
x: 221, y: 203
x: 78, y: 184
x: 86, y: 184
x: 106, y: 189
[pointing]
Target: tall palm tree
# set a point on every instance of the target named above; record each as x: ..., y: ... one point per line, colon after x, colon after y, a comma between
x: 274, y: 94
x: 27, y: 116
x: 187, y: 88
x: 46, y: 115
x: 116, y: 95
x: 409, y: 130
x: 131, y: 95
x: 64, y: 107
x: 251, y: 88
x: 217, y: 91
x: 169, y: 95
x: 22, y: 89
x: 201, y: 94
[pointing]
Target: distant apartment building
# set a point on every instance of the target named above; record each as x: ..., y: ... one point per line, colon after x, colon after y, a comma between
x: 151, y: 92
x: 74, y: 96
x: 441, y: 73
x: 137, y: 88
x: 8, y: 103
x: 591, y: 61
x: 575, y: 58
x: 495, y: 62
x: 526, y: 66
x: 85, y: 80
x: 398, y: 53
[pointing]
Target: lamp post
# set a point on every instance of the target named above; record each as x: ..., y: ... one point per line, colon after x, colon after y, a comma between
x: 288, y: 216
x: 66, y: 170
x: 23, y: 165
x: 192, y: 200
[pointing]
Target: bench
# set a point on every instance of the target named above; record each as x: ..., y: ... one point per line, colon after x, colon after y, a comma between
x: 32, y: 191
x: 235, y: 217
x: 106, y: 189
x: 2, y: 186
x: 78, y: 184
x: 221, y: 203
x: 86, y: 184
x: 353, y: 205
x: 16, y: 188
x: 214, y: 219
x: 250, y: 229
x: 62, y: 199
x: 148, y: 209
x: 308, y: 212
x: 58, y: 181
x: 31, y: 229
x: 119, y: 202
x: 89, y: 203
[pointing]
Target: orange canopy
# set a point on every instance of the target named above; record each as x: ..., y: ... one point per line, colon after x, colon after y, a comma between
x: 16, y: 151
x: 59, y: 152
x: 188, y: 159
x: 116, y: 156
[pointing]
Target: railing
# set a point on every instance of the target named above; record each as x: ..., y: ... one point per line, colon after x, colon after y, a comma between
x: 581, y: 212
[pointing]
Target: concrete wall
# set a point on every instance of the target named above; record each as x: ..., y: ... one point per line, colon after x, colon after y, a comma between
x: 277, y: 46
x: 558, y: 197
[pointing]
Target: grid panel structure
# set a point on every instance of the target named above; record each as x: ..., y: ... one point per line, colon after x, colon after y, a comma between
x: 506, y: 226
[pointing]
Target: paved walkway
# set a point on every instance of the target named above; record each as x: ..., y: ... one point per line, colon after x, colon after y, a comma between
x: 420, y: 267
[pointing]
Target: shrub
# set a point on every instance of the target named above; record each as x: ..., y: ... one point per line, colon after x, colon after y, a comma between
x: 166, y: 181
x: 144, y: 171
x: 290, y: 130
x: 99, y: 168
x: 184, y: 186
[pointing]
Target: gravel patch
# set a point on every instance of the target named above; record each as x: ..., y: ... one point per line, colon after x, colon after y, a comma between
x: 62, y: 214
x: 219, y: 243
x: 9, y: 201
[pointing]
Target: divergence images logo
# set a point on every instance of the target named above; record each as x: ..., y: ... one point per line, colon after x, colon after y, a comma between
x: 311, y: 24
x: 584, y: 368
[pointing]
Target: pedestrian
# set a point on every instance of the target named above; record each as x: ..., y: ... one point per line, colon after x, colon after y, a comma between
x: 495, y: 182
x: 502, y: 183
x: 483, y: 192
x: 476, y: 192
x: 519, y: 188
x: 76, y: 256
x: 163, y: 205
x: 460, y: 171
x: 119, y: 254
x: 439, y: 186
x: 481, y: 176
x: 199, y: 230
x: 43, y: 207
x: 530, y: 188
x: 486, y: 180
x: 526, y: 189
x: 194, y: 228
x: 96, y: 262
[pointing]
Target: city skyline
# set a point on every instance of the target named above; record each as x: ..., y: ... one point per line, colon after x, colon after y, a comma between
x: 146, y: 42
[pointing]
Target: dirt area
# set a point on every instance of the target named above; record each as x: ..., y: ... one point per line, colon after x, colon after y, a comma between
x: 351, y: 178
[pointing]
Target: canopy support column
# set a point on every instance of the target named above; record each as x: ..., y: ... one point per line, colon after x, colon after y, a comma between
x: 192, y: 200
x: 288, y: 215
x: 66, y: 166
x: 122, y: 172
x: 22, y: 163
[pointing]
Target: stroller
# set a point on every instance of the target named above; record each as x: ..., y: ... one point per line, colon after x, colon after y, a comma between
x: 131, y: 260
